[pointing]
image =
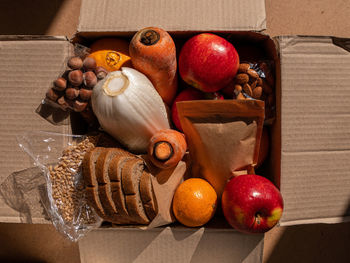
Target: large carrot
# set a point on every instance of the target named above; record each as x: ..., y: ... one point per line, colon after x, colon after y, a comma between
x: 152, y: 52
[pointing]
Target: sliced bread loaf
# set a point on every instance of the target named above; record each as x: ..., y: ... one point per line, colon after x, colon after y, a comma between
x: 131, y: 175
x: 147, y: 195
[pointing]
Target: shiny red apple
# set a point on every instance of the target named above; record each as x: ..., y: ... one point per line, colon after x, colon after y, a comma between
x: 252, y: 203
x: 190, y: 94
x: 208, y: 62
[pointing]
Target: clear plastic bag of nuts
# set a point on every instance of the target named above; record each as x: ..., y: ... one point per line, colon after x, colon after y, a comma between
x: 71, y: 90
x: 255, y: 80
x: 59, y: 157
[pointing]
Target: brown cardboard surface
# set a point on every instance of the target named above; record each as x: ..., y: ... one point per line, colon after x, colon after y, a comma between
x: 170, y: 244
x: 180, y: 15
x: 315, y: 111
x: 299, y: 17
x: 27, y: 69
x: 308, y: 243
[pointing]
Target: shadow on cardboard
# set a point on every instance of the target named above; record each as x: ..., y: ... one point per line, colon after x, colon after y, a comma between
x: 20, y: 17
x: 312, y: 243
x: 24, y: 191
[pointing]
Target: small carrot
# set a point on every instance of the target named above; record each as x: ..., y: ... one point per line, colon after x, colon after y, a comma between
x: 167, y: 148
x: 153, y: 52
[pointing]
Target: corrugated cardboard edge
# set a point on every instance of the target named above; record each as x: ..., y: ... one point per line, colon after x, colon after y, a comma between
x: 330, y: 220
x: 31, y: 37
x: 111, y: 16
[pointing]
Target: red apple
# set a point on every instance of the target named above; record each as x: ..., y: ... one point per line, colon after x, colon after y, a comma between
x: 208, y: 62
x: 251, y: 203
x: 191, y: 94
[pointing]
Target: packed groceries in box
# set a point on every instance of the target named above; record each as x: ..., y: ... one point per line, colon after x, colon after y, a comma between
x: 175, y: 133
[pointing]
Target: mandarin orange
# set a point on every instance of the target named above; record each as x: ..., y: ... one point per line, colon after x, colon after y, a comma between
x: 194, y: 202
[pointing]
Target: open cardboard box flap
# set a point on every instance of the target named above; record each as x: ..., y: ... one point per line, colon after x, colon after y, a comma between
x: 28, y: 66
x: 181, y: 15
x: 315, y: 125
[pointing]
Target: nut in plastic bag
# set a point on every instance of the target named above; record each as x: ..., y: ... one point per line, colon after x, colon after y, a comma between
x: 59, y: 157
x: 70, y: 91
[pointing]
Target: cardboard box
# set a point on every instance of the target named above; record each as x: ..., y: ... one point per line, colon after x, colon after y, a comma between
x: 310, y: 139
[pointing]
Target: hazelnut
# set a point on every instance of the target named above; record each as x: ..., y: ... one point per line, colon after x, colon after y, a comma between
x: 52, y: 94
x: 85, y: 94
x: 63, y: 102
x: 72, y: 93
x: 60, y: 84
x: 75, y: 77
x: 90, y: 79
x: 89, y: 64
x: 101, y: 72
x: 75, y: 63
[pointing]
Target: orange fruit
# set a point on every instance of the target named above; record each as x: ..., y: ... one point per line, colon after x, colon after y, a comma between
x: 194, y: 202
x: 111, y: 53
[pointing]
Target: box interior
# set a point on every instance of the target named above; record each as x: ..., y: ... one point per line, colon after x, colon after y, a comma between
x: 251, y: 47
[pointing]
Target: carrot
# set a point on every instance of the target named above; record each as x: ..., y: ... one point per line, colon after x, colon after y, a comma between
x: 166, y: 148
x: 152, y: 52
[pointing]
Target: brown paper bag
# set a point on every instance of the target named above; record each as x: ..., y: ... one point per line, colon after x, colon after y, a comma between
x: 223, y: 137
x: 165, y: 182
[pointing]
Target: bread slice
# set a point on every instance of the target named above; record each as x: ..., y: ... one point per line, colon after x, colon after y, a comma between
x: 104, y: 186
x: 102, y: 164
x: 114, y: 172
x: 148, y: 197
x: 88, y: 166
x: 88, y: 171
x: 94, y: 200
x: 131, y: 175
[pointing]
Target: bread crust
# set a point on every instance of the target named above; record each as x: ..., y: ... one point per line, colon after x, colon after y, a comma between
x: 147, y: 195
